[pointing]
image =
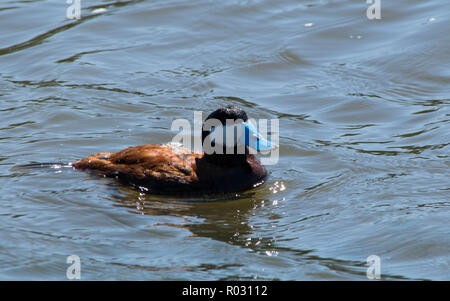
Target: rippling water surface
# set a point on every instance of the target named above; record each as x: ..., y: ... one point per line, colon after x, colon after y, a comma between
x: 364, y: 138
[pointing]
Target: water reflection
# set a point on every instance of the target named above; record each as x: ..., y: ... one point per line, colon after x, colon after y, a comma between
x: 231, y: 219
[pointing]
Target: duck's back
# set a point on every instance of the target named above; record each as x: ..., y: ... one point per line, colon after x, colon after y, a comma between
x: 170, y: 169
x: 155, y: 166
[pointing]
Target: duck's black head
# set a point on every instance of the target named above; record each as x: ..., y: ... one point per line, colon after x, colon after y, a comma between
x: 232, y: 113
x: 227, y: 136
x: 224, y: 116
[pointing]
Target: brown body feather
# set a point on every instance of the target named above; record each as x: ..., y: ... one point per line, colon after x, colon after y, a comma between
x: 175, y: 170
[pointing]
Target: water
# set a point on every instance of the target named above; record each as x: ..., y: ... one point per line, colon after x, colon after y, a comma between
x: 364, y: 138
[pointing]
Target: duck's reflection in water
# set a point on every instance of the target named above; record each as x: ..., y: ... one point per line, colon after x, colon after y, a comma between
x: 234, y: 219
x: 223, y: 217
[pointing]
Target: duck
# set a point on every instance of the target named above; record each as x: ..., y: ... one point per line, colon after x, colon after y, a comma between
x: 224, y: 165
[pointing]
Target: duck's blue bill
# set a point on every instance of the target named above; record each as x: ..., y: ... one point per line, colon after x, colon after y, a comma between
x: 253, y: 139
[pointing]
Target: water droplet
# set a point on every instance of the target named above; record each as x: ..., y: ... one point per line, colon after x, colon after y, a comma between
x: 99, y: 10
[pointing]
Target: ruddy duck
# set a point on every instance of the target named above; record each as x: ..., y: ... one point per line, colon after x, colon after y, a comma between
x: 170, y: 169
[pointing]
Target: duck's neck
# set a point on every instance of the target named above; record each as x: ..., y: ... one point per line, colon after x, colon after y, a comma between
x: 226, y: 160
